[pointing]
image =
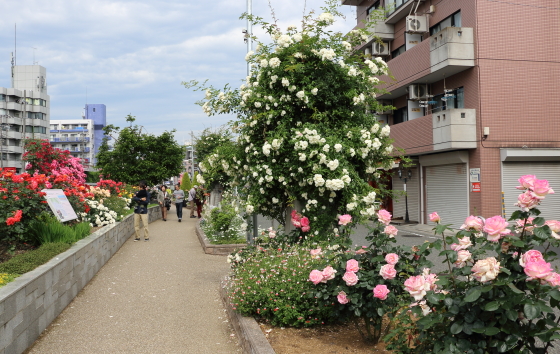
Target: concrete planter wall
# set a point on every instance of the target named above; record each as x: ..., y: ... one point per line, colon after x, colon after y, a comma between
x: 30, y: 303
x: 222, y: 250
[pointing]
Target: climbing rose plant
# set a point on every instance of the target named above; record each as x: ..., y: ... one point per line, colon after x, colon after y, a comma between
x: 307, y: 134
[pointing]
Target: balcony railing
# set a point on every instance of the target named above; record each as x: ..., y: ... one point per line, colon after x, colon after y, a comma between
x: 454, y: 129
x: 69, y: 139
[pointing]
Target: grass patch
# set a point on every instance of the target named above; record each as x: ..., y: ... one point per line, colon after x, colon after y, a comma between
x: 26, y: 262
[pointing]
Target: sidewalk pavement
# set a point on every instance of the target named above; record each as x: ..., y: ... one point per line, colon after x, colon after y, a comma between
x: 159, y: 296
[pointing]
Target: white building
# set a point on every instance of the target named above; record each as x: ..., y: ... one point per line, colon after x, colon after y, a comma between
x: 24, y: 113
x: 76, y: 136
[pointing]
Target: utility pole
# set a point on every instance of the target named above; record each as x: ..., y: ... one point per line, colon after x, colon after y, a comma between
x: 192, y: 157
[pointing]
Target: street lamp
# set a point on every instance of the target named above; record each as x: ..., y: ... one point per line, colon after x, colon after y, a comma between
x: 407, y: 175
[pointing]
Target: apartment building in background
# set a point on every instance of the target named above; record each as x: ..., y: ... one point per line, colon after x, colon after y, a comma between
x: 24, y: 113
x: 475, y: 91
x: 82, y: 137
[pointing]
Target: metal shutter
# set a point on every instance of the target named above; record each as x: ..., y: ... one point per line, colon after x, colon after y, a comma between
x: 550, y: 206
x: 447, y: 192
x: 412, y: 186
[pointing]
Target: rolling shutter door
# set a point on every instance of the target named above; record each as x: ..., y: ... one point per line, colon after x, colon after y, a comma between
x: 550, y: 206
x: 399, y: 206
x: 447, y: 193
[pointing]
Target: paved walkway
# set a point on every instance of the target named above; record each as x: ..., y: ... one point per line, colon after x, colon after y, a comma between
x: 159, y: 296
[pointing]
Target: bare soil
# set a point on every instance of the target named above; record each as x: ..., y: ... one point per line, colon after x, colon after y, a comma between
x: 327, y: 339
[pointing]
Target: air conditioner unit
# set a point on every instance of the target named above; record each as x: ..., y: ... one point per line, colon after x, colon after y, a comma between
x: 383, y: 110
x: 418, y: 92
x: 380, y: 48
x: 416, y: 24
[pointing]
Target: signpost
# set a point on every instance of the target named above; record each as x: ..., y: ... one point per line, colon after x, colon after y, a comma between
x: 60, y: 205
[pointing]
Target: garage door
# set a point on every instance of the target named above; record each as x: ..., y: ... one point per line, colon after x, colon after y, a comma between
x: 447, y: 193
x: 550, y: 206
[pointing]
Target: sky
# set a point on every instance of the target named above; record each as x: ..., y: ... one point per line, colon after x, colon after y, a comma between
x: 132, y: 55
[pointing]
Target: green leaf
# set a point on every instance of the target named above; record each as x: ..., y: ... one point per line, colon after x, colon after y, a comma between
x: 380, y: 311
x: 542, y: 232
x: 448, y: 301
x: 539, y: 221
x: 555, y: 294
x: 472, y: 294
x: 516, y: 290
x: 456, y: 328
x: 490, y: 331
x: 511, y: 315
x: 531, y: 311
x: 502, y: 347
x: 432, y: 298
x: 492, y: 306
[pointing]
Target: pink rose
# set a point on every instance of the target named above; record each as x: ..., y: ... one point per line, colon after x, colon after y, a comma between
x: 434, y: 217
x: 553, y: 279
x: 341, y: 297
x: 473, y: 223
x: 391, y: 231
x: 388, y: 271
x: 527, y: 201
x: 530, y: 256
x: 496, y: 228
x: 328, y: 273
x: 344, y: 219
x: 316, y: 276
x: 462, y: 257
x: 416, y: 286
x: 486, y: 269
x: 526, y: 182
x: 541, y: 188
x: 381, y: 291
x: 350, y: 278
x: 554, y: 226
x: 304, y: 224
x: 384, y: 216
x: 430, y: 279
x: 463, y: 244
x: 352, y: 265
x: 392, y: 258
x: 537, y: 270
x: 316, y: 253
x: 296, y: 219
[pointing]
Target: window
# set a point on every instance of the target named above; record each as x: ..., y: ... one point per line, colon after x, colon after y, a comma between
x: 372, y: 8
x: 400, y: 115
x: 28, y: 129
x: 94, y: 109
x: 450, y: 21
x: 395, y: 53
x: 454, y: 99
x: 2, y: 98
x: 392, y: 5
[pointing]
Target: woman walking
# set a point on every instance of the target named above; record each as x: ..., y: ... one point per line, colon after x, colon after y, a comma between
x: 164, y: 199
x: 179, y: 196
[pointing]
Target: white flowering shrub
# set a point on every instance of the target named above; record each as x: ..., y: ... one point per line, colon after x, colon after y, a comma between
x: 223, y: 224
x: 305, y: 128
x: 100, y: 214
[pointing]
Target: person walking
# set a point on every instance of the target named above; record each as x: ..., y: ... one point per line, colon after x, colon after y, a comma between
x: 179, y: 196
x: 142, y: 199
x: 191, y: 197
x: 199, y: 200
x: 164, y: 199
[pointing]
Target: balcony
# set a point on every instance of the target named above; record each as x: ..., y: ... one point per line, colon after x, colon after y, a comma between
x: 351, y: 2
x: 383, y: 31
x: 398, y: 9
x: 13, y: 106
x: 454, y: 129
x: 444, y: 54
x: 8, y: 149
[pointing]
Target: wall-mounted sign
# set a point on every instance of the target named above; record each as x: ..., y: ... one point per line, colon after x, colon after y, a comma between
x: 474, y: 174
x: 60, y: 205
x: 475, y: 187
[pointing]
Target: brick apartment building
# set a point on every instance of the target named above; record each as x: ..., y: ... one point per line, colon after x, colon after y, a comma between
x: 476, y: 92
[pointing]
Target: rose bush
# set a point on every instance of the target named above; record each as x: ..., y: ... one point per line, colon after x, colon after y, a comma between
x: 500, y: 293
x: 307, y: 135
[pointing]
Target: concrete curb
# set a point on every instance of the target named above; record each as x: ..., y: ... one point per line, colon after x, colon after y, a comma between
x: 249, y: 334
x: 222, y: 250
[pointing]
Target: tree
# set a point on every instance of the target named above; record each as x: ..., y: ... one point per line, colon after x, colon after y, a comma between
x: 186, y: 183
x: 308, y: 137
x: 139, y: 156
x: 209, y: 147
x: 210, y: 140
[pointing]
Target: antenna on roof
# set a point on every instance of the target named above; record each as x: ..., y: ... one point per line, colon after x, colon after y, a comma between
x: 15, y: 44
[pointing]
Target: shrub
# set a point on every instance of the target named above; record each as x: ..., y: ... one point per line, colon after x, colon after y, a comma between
x: 6, y: 278
x: 47, y: 229
x: 26, y: 262
x: 223, y: 225
x: 271, y: 282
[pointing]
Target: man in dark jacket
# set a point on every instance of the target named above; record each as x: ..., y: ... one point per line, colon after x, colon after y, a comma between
x: 142, y: 199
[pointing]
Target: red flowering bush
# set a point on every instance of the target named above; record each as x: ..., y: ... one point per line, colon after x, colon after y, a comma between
x: 42, y: 158
x: 21, y: 200
x: 115, y: 188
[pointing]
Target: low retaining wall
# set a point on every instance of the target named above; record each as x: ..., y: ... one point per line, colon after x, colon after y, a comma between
x: 31, y: 302
x: 222, y: 250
